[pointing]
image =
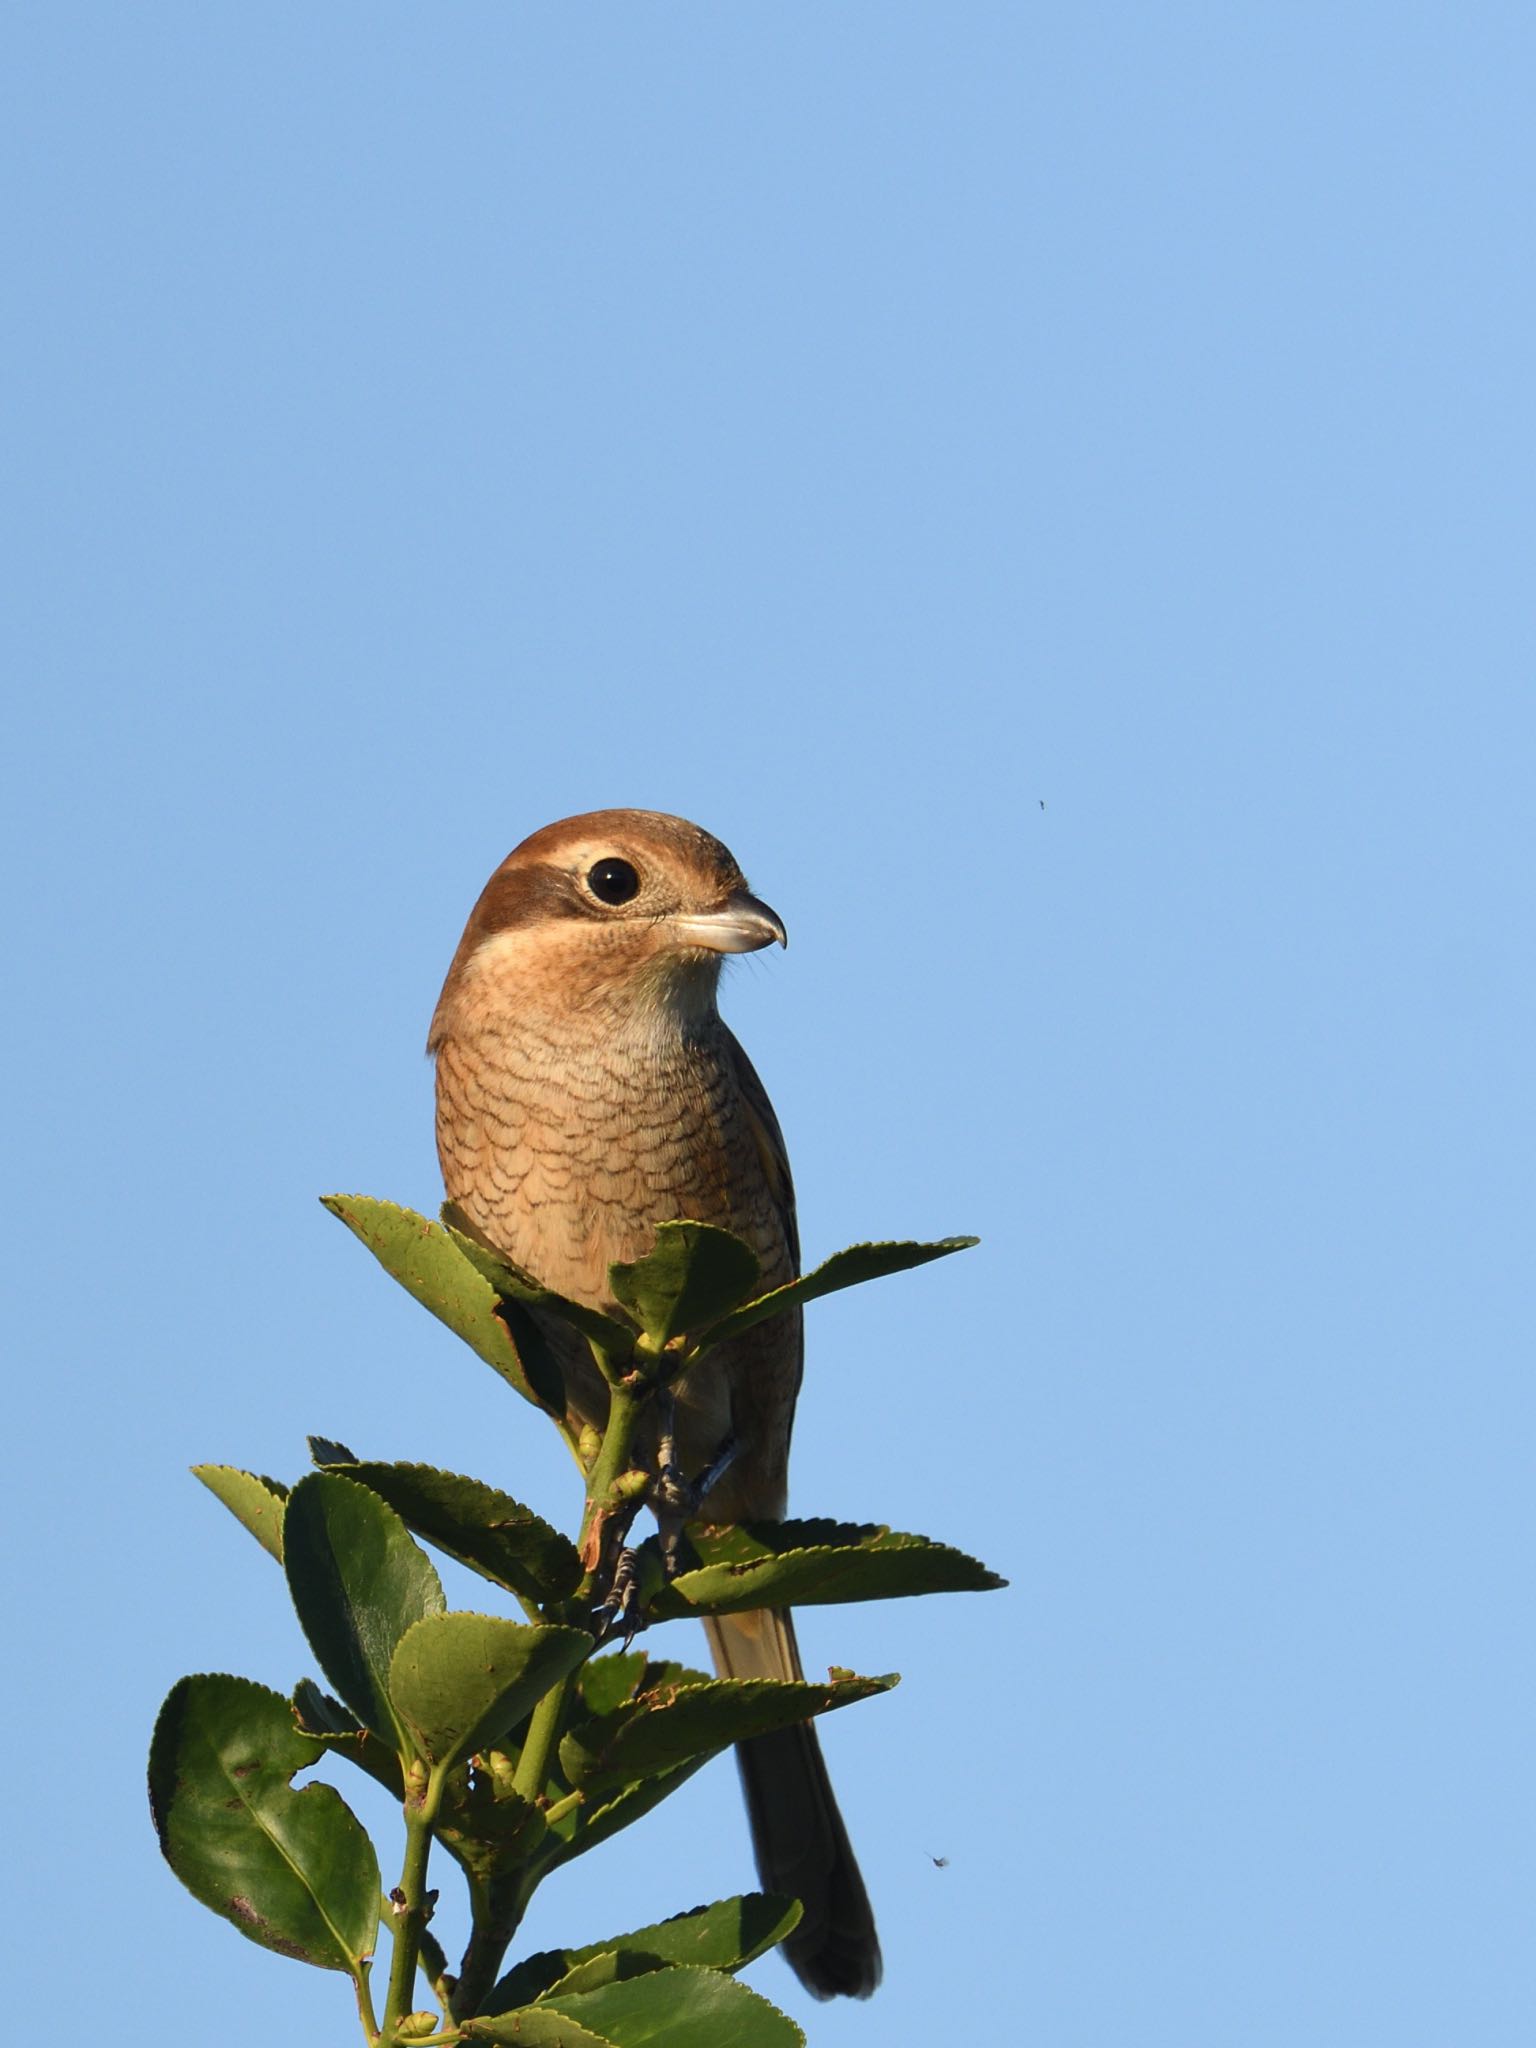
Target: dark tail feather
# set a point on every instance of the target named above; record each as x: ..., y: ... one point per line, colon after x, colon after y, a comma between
x: 802, y: 1849
x: 797, y: 1832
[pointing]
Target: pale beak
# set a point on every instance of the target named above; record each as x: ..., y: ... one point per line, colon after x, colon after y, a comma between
x: 740, y: 925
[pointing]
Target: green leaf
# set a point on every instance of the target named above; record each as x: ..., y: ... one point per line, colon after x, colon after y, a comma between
x: 616, y: 1676
x: 255, y: 1502
x: 850, y: 1268
x: 326, y: 1720
x: 324, y: 1451
x: 489, y: 1531
x: 811, y: 1563
x: 292, y: 1870
x: 725, y: 1936
x: 606, y: 1683
x: 588, y: 1827
x: 664, y: 1728
x: 429, y: 1265
x: 606, y: 1968
x: 358, y: 1583
x: 460, y: 1681
x: 691, y: 1277
x: 680, y: 2007
x: 537, y: 2026
x: 615, y: 1338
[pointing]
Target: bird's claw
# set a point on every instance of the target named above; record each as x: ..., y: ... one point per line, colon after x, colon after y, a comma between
x: 621, y: 1608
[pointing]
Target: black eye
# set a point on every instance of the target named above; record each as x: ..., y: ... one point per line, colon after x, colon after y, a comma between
x: 613, y: 881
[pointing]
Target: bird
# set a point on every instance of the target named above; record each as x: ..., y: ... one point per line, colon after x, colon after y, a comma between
x: 588, y: 1090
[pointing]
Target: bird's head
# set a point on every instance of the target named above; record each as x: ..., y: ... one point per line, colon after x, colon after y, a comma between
x: 612, y: 910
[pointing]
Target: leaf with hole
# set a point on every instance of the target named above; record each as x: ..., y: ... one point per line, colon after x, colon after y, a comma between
x: 293, y: 1870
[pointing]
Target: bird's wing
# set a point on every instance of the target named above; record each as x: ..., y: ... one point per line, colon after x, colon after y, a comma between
x: 769, y: 1140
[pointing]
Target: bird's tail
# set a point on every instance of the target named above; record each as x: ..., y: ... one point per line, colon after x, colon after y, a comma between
x: 797, y: 1832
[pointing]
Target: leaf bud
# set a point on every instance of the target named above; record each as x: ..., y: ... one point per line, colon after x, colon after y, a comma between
x: 503, y: 1770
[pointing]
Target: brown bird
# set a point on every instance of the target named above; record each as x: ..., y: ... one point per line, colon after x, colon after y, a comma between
x: 587, y: 1090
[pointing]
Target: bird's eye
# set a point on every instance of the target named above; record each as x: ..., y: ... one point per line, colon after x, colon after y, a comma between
x: 613, y: 881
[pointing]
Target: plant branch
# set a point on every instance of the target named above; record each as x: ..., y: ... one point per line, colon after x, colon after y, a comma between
x: 365, y: 2011
x: 607, y: 1495
x: 490, y: 1936
x: 410, y: 1902
x: 497, y: 1916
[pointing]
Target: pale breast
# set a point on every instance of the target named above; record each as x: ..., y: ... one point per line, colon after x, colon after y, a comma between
x: 568, y: 1155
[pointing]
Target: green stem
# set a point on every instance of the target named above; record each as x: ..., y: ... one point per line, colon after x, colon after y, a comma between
x: 433, y: 1965
x: 365, y: 2010
x: 613, y: 1460
x: 496, y: 1919
x: 614, y: 1451
x: 543, y: 1734
x: 411, y: 1908
x: 490, y: 1937
x: 496, y: 1916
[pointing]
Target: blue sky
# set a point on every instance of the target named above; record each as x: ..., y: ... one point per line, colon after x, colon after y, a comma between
x: 848, y: 427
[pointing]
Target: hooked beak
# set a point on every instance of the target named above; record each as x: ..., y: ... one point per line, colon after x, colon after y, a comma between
x: 741, y: 924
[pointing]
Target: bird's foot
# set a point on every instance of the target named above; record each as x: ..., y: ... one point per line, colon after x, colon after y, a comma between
x: 670, y: 1493
x: 621, y: 1608
x: 676, y: 1500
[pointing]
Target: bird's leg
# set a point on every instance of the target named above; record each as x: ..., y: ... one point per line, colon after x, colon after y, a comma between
x: 671, y: 1495
x: 670, y: 1485
x: 676, y: 1500
x: 622, y: 1605
x: 714, y: 1471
